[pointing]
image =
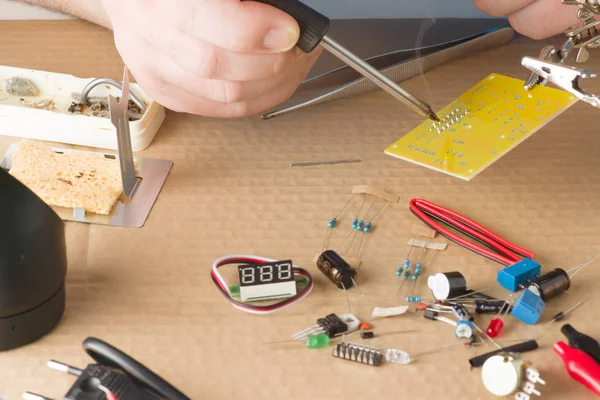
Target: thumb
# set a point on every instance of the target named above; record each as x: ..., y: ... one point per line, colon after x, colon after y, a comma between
x: 243, y: 26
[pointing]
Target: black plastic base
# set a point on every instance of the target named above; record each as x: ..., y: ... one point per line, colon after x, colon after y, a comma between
x: 23, y: 329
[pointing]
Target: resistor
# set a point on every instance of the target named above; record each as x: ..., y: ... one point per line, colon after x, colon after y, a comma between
x: 412, y: 299
x: 406, y: 274
x: 354, y: 223
x: 360, y: 226
x: 399, y: 271
x: 368, y: 227
x: 332, y: 222
x: 417, y: 272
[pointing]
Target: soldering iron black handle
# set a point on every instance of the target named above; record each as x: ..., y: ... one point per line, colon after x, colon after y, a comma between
x: 313, y: 25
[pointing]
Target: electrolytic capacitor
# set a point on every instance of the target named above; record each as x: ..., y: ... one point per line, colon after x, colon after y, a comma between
x: 461, y: 312
x: 550, y: 285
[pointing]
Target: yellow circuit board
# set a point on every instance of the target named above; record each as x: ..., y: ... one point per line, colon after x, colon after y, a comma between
x: 481, y: 126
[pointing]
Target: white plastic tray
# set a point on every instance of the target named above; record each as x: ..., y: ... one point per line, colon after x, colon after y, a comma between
x: 18, y: 120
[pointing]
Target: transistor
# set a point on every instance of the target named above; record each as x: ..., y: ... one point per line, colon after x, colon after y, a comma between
x: 358, y: 353
x: 331, y: 325
x: 336, y: 269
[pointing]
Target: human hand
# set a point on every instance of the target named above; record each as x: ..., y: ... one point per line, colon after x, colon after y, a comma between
x: 216, y: 58
x: 537, y: 19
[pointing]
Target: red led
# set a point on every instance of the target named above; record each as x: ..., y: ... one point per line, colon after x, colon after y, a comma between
x: 495, y: 326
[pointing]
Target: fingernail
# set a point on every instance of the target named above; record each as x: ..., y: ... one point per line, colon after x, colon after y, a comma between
x: 280, y: 39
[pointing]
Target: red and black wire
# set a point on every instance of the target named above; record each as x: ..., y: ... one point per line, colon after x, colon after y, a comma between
x: 494, y: 247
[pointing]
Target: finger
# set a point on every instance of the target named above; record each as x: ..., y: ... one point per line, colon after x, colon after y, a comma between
x: 207, y: 61
x: 177, y: 98
x: 499, y: 8
x: 224, y: 91
x: 243, y: 26
x: 544, y: 18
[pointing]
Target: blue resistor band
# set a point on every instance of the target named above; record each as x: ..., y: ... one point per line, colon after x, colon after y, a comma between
x: 332, y: 222
x: 418, y: 268
x: 368, y: 227
x: 413, y: 299
x: 354, y: 223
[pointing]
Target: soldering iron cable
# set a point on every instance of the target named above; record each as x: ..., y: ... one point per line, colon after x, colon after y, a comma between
x: 496, y: 248
x: 249, y: 259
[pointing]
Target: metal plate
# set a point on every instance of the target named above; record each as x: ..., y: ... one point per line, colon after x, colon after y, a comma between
x: 151, y: 174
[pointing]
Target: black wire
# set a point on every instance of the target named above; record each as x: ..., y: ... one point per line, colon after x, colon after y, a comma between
x: 459, y: 230
x: 253, y: 307
x: 105, y: 354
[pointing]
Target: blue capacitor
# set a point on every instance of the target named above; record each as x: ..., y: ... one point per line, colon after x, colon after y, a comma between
x: 332, y: 222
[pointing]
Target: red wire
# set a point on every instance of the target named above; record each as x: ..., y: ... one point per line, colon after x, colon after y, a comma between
x: 111, y: 396
x: 462, y: 223
x: 467, y: 229
x: 480, y: 228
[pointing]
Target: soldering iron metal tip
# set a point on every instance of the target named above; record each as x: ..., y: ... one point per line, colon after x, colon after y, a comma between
x: 433, y: 116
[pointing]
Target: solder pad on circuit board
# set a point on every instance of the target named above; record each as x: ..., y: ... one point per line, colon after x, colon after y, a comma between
x: 481, y: 126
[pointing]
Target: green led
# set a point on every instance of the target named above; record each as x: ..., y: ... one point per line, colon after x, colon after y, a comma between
x: 317, y: 341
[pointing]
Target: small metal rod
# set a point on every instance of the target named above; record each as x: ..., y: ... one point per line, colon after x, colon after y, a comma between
x: 313, y: 163
x: 58, y: 366
x: 378, y: 78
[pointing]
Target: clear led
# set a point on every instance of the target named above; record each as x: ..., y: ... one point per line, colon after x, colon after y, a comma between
x: 397, y: 356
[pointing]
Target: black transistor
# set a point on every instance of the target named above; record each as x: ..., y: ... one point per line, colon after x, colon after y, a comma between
x: 331, y: 325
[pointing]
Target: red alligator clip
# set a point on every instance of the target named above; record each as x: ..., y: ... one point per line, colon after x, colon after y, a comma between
x: 581, y: 366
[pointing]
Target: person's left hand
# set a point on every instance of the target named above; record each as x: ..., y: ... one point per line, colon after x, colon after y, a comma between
x: 538, y: 19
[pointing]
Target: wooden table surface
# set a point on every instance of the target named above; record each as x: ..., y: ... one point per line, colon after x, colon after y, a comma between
x: 148, y: 291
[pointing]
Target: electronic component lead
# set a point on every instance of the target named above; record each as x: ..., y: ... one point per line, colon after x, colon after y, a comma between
x: 358, y: 353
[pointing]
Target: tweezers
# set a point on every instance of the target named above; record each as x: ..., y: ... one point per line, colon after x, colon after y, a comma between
x: 397, y: 66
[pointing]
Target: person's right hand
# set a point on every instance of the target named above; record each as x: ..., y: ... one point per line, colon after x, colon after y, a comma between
x: 217, y: 58
x: 538, y: 19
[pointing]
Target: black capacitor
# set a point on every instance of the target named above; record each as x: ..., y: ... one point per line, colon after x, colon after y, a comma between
x: 550, y: 285
x: 461, y: 312
x: 336, y: 269
x: 492, y: 307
